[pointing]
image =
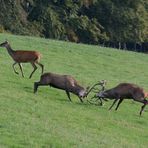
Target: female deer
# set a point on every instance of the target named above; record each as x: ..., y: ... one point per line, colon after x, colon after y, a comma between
x: 20, y: 56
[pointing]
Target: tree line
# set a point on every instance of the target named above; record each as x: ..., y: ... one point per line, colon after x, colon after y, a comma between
x: 111, y: 23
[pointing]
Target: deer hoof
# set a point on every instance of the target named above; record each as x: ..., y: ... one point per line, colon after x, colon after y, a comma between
x: 17, y: 73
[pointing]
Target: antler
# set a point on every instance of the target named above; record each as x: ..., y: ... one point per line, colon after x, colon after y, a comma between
x: 102, y: 83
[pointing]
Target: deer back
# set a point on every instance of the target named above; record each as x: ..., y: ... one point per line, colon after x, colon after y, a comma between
x: 72, y: 85
x: 65, y: 82
x: 26, y: 56
x: 125, y: 90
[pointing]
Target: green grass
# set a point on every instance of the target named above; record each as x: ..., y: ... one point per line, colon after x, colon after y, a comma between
x: 48, y: 119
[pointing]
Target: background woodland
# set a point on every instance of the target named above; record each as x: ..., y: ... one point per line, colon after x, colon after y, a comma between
x: 111, y: 23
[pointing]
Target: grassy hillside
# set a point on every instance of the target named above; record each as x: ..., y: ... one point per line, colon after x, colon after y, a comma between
x: 48, y: 119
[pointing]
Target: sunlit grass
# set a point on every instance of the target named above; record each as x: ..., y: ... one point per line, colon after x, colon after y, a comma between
x: 48, y: 119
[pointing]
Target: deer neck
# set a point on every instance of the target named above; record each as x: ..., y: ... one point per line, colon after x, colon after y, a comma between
x: 110, y: 93
x: 10, y: 50
x: 103, y: 94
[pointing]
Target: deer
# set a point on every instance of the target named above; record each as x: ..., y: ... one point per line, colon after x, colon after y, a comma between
x: 124, y: 91
x: 22, y: 56
x: 63, y: 82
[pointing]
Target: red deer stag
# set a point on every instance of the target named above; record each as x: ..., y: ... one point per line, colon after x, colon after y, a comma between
x: 20, y: 56
x: 64, y: 82
x: 125, y: 91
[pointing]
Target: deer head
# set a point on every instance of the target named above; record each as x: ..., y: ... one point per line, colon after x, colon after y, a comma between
x: 4, y: 44
x: 83, y: 93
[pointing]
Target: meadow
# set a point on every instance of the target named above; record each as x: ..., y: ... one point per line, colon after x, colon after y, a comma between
x: 49, y: 119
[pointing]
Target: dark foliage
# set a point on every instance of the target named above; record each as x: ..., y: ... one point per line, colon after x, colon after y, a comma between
x: 115, y: 23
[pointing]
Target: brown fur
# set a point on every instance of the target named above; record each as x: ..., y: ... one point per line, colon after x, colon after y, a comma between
x: 21, y: 56
x: 125, y: 91
x: 64, y: 82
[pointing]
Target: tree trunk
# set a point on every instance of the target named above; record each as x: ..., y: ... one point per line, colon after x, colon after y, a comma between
x: 135, y: 46
x: 119, y: 45
x: 124, y: 46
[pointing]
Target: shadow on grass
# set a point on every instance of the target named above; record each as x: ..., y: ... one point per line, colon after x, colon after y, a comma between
x: 28, y: 89
x: 63, y: 100
x: 13, y: 82
x: 73, y: 101
x: 140, y: 122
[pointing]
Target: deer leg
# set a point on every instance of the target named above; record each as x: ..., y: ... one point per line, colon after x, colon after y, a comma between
x: 144, y: 101
x: 113, y: 103
x: 101, y: 102
x: 142, y: 108
x: 81, y: 99
x: 13, y: 66
x: 36, y: 86
x: 68, y: 94
x: 119, y: 103
x: 35, y: 68
x: 98, y: 98
x: 21, y: 69
x: 41, y: 65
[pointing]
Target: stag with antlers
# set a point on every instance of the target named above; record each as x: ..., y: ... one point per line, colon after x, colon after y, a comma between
x: 63, y: 82
x: 124, y: 91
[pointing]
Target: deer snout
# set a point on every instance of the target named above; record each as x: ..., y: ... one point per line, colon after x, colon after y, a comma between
x: 82, y: 94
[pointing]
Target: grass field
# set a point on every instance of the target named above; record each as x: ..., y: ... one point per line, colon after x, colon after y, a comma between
x: 48, y: 119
